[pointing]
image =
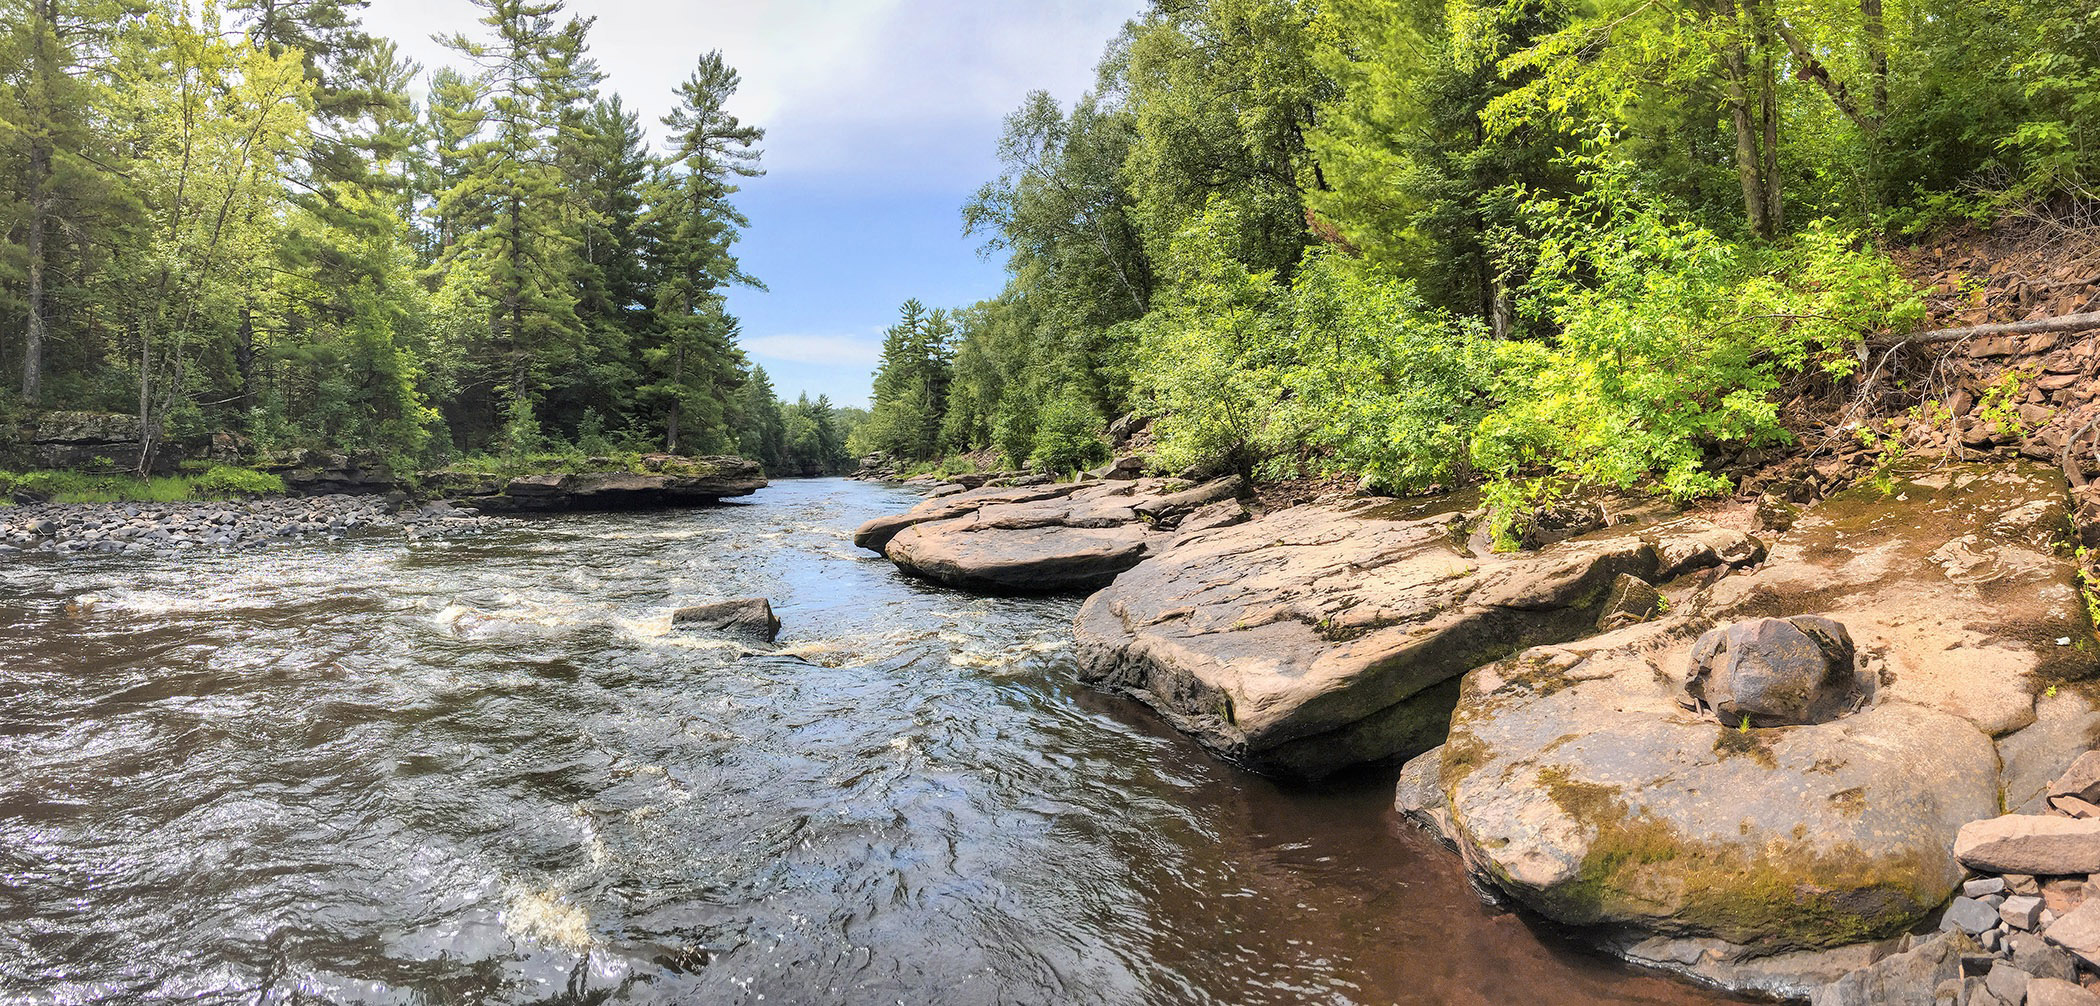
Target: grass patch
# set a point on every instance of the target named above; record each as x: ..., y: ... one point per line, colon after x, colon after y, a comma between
x: 220, y: 482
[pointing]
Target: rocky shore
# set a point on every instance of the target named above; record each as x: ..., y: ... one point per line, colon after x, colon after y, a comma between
x: 164, y: 528
x: 1765, y: 745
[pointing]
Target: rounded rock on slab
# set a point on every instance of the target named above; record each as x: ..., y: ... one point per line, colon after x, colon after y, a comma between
x: 1774, y: 672
x: 745, y: 616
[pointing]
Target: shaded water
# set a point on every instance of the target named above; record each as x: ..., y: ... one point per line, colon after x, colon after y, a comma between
x: 369, y: 772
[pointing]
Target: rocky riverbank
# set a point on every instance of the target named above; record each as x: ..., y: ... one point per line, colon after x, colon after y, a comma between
x: 162, y: 528
x: 1739, y: 744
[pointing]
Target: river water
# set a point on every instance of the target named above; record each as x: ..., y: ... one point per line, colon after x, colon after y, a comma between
x: 371, y: 771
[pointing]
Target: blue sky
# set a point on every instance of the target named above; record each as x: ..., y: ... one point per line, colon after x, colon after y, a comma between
x: 882, y: 117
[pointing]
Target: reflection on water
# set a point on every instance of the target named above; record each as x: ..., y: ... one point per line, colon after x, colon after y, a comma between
x: 374, y: 772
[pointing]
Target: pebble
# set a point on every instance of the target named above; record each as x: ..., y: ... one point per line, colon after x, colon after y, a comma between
x: 128, y: 529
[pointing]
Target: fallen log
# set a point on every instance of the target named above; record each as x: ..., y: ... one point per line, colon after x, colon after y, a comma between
x: 2063, y: 323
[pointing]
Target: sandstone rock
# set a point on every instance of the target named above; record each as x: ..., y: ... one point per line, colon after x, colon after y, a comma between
x: 2033, y: 844
x: 1586, y: 792
x: 2081, y: 780
x: 2035, y: 956
x: 2007, y: 983
x: 680, y: 482
x: 749, y: 616
x: 1947, y: 579
x: 1983, y: 886
x: 1774, y: 671
x: 1419, y: 797
x: 2022, y: 911
x: 2071, y: 806
x: 1632, y: 600
x: 1906, y: 979
x: 1076, y: 541
x: 1313, y: 638
x: 2078, y: 933
x: 875, y: 535
x: 1970, y: 915
x: 2059, y: 992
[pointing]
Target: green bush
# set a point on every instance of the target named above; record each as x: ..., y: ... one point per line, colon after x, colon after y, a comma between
x: 1671, y: 340
x: 222, y: 481
x: 1068, y: 435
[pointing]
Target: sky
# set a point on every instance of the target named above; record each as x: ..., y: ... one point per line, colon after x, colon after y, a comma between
x: 881, y: 117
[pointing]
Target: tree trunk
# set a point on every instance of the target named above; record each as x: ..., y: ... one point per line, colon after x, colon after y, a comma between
x: 41, y: 57
x: 1768, y: 107
x: 678, y: 388
x: 33, y: 332
x: 1877, y: 55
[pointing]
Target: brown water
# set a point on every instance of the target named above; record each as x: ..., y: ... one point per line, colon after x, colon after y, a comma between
x: 372, y: 772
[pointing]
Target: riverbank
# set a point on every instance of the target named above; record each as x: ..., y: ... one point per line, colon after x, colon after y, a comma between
x: 1868, y: 654
x: 135, y: 529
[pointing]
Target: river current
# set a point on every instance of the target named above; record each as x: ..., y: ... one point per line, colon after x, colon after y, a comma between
x: 375, y: 771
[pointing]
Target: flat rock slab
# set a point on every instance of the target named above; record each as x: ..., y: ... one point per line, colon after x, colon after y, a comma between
x: 1075, y: 540
x: 875, y: 535
x: 2031, y: 844
x: 1957, y: 582
x: 1578, y: 784
x: 1317, y: 637
x: 680, y: 482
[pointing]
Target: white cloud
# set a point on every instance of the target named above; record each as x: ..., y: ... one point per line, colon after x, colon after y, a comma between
x: 826, y: 350
x: 890, y: 88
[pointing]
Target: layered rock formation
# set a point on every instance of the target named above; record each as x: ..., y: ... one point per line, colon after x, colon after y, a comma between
x: 668, y: 481
x: 1317, y: 637
x: 1073, y: 536
x: 1595, y: 782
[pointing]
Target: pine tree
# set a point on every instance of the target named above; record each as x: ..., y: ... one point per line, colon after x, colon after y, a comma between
x: 522, y: 263
x: 692, y: 227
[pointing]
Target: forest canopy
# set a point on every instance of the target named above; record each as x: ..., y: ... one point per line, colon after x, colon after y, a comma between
x: 1540, y: 241
x: 259, y: 217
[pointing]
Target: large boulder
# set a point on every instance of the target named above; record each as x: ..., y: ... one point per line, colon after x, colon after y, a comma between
x: 1772, y: 672
x: 1579, y: 784
x: 1318, y: 637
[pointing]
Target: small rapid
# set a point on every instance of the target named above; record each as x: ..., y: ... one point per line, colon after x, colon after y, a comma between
x: 382, y: 771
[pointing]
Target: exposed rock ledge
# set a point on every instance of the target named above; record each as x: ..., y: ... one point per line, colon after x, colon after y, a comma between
x: 1072, y: 536
x: 1577, y: 780
x: 1324, y: 636
x: 672, y: 482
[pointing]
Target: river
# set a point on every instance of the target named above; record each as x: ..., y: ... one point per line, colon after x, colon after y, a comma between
x: 370, y: 771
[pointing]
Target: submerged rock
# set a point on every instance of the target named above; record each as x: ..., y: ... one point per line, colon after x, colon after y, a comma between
x: 1317, y: 637
x: 747, y: 616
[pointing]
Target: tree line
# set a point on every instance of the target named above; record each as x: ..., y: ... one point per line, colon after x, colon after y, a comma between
x: 241, y: 216
x: 1538, y: 241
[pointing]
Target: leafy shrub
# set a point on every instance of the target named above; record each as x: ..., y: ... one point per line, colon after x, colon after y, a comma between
x: 1068, y: 435
x: 1671, y: 339
x: 227, y: 481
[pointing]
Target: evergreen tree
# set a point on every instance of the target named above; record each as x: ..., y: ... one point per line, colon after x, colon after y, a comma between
x: 692, y: 227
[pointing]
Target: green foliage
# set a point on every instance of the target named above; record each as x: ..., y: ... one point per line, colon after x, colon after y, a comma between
x: 220, y: 482
x: 2000, y: 405
x: 1068, y: 435
x: 1671, y: 339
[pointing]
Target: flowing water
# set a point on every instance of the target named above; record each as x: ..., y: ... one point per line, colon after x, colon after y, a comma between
x: 492, y: 771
